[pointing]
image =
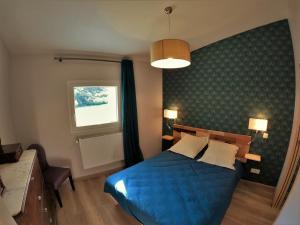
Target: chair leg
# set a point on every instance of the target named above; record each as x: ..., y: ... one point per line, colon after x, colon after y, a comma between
x: 58, y: 198
x: 71, y: 182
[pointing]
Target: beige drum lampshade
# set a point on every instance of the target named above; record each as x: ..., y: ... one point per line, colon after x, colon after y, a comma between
x: 258, y: 124
x: 170, y: 114
x: 170, y: 54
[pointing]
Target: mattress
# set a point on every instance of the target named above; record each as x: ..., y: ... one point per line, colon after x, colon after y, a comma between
x: 171, y: 189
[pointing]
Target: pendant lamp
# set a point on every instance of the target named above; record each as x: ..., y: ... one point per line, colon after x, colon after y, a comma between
x: 170, y: 53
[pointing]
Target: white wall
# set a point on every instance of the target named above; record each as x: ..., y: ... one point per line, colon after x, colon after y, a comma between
x: 290, y: 213
x: 6, y: 125
x: 294, y: 21
x: 40, y: 108
x: 149, y: 101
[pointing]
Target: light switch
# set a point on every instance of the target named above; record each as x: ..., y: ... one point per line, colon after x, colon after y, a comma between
x: 265, y: 135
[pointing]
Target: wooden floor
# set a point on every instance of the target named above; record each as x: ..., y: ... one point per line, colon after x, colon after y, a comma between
x: 251, y: 204
x: 89, y: 205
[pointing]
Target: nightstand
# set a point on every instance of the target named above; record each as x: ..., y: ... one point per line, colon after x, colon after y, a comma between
x: 253, y: 167
x: 167, y: 142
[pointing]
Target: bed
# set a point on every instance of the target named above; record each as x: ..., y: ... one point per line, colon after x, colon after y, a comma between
x: 171, y: 189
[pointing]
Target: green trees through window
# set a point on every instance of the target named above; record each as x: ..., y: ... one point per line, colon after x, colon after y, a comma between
x: 90, y: 96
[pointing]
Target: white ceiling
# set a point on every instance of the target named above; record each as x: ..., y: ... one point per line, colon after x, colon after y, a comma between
x: 126, y: 27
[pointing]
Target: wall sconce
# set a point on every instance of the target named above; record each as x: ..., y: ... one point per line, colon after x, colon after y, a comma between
x: 257, y: 125
x: 170, y: 115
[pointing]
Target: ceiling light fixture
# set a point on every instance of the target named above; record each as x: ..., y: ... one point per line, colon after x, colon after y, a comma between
x: 170, y: 53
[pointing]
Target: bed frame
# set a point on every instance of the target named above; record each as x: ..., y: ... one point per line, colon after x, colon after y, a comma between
x: 242, y: 141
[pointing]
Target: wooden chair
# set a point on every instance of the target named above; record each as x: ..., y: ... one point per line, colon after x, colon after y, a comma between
x: 53, y: 176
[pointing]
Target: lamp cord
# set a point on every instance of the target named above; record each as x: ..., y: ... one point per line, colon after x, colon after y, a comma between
x: 169, y: 23
x: 254, y: 138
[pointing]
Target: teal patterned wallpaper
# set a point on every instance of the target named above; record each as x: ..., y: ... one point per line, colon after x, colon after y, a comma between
x: 251, y: 74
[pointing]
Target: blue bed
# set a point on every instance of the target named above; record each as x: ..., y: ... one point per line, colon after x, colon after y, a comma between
x: 171, y: 189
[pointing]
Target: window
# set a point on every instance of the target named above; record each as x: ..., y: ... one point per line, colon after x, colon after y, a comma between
x: 94, y: 105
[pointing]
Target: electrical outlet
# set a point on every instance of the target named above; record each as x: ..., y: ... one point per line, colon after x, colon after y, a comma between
x: 254, y: 170
x: 265, y: 135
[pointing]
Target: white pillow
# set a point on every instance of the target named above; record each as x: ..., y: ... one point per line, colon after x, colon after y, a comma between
x: 189, y: 145
x: 220, y: 154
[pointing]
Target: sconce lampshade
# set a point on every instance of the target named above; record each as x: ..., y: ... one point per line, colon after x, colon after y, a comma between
x: 170, y: 54
x: 258, y: 124
x: 170, y: 114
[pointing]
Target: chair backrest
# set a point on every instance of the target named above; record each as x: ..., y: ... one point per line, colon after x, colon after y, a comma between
x: 41, y: 155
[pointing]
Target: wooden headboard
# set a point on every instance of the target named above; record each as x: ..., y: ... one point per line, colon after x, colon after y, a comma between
x: 242, y: 141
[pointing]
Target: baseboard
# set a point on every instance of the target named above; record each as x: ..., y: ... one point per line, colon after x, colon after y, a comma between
x: 256, y: 183
x: 100, y: 174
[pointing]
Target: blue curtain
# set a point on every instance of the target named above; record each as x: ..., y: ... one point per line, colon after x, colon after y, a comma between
x: 131, y: 144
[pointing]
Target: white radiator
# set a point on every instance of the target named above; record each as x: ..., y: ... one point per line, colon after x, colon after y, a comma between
x: 101, y: 150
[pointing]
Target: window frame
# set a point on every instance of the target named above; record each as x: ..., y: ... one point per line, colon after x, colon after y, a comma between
x: 93, y: 129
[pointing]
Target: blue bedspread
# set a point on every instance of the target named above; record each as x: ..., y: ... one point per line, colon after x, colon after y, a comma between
x: 171, y: 189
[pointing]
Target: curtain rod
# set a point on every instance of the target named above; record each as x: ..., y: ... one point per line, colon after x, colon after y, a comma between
x: 61, y: 59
